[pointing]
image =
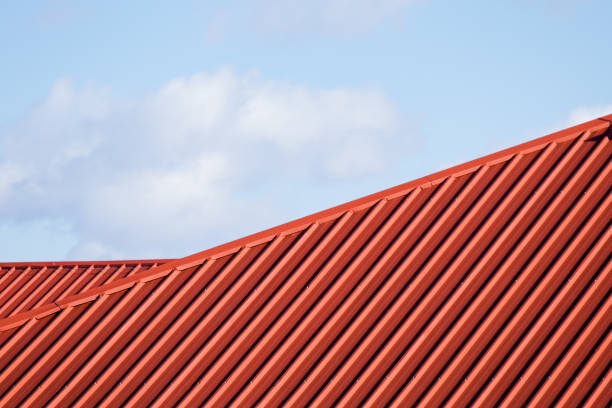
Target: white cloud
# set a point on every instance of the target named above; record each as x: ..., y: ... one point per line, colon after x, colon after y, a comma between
x: 194, y: 163
x: 584, y: 114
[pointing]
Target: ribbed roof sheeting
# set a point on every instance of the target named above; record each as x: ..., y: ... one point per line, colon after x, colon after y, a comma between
x: 484, y: 284
x: 27, y: 285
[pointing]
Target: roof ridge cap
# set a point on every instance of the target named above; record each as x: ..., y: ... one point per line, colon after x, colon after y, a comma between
x: 594, y: 128
x: 86, y: 263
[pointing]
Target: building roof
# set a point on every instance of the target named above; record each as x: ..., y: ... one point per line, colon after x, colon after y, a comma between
x: 27, y: 285
x: 485, y: 283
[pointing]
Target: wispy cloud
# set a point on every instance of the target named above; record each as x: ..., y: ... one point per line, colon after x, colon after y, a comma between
x: 583, y: 114
x: 271, y: 18
x: 192, y: 163
x: 215, y: 30
x: 59, y: 14
x: 335, y: 16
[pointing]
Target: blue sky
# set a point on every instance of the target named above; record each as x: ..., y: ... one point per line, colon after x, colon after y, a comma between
x: 158, y: 129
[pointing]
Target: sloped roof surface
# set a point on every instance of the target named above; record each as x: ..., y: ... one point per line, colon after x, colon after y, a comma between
x: 27, y: 285
x: 485, y: 283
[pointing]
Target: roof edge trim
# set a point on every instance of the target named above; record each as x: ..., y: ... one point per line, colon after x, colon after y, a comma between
x: 86, y: 263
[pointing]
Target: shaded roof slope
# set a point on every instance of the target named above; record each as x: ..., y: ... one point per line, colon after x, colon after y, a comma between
x: 28, y: 285
x: 485, y: 283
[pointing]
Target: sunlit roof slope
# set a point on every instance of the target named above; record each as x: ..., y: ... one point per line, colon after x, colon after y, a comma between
x: 484, y: 284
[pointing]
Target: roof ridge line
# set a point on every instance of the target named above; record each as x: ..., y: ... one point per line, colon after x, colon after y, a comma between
x: 87, y: 263
x: 593, y: 128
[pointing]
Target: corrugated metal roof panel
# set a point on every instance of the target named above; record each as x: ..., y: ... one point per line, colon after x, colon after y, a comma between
x: 28, y: 285
x: 488, y: 286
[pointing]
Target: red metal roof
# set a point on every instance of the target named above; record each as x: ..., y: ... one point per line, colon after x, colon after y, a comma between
x: 28, y: 285
x: 487, y: 283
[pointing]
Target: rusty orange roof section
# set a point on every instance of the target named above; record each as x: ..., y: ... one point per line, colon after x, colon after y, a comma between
x: 28, y: 285
x: 487, y: 283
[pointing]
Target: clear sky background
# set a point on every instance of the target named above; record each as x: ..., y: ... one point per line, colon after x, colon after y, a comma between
x: 149, y: 129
